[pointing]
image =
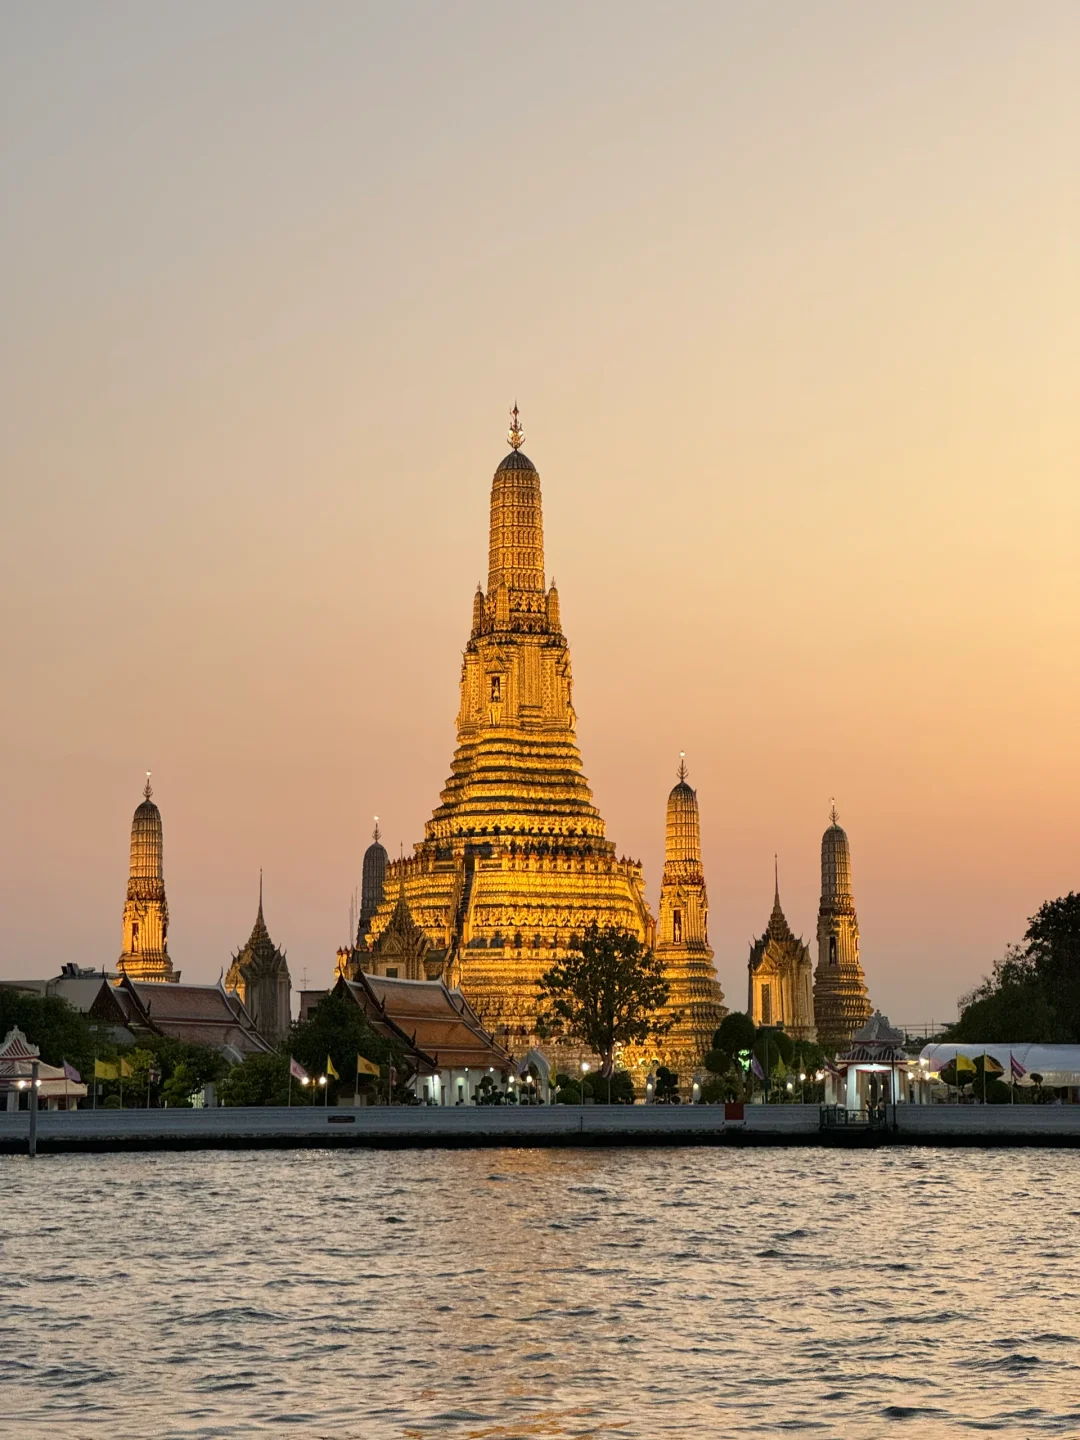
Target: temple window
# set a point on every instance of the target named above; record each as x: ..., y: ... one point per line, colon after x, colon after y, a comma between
x: 134, y: 937
x: 496, y: 689
x: 391, y: 972
x: 766, y: 1004
x: 676, y: 926
x: 832, y: 949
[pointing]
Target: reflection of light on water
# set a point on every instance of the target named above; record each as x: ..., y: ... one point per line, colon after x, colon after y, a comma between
x: 688, y: 1293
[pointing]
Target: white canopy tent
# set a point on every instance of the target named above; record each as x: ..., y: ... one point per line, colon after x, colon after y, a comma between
x: 1059, y: 1065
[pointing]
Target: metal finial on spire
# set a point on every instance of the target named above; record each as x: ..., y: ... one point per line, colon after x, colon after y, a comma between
x: 516, y: 434
x: 260, y: 890
x: 148, y: 789
x: 682, y: 765
x: 833, y: 813
x: 776, y: 877
x: 376, y: 834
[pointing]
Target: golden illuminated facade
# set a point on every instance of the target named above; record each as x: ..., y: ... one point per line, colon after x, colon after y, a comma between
x: 514, y: 860
x: 682, y: 934
x: 841, y: 1002
x: 145, y: 953
x: 782, y: 978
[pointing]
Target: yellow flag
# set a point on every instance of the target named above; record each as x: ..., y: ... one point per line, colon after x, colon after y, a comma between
x: 330, y: 1068
x: 365, y: 1067
x: 125, y: 1069
x: 963, y: 1063
x: 106, y: 1070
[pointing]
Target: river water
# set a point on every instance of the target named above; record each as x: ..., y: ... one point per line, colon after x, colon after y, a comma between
x: 510, y: 1293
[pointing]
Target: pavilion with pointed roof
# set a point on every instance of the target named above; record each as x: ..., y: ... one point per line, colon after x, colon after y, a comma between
x: 259, y: 975
x: 781, y: 975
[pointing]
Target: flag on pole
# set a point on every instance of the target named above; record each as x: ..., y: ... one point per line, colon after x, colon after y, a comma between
x: 297, y: 1070
x: 125, y: 1070
x: 1017, y: 1070
x: 964, y: 1065
x: 70, y: 1073
x: 106, y: 1070
x: 755, y: 1068
x: 330, y: 1068
x: 365, y: 1067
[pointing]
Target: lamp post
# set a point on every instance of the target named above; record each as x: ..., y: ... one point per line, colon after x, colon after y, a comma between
x: 584, y: 1072
x: 802, y: 1087
x: 322, y: 1082
x: 31, y: 1144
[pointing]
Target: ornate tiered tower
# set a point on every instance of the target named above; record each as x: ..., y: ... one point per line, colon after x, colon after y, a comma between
x: 372, y: 882
x: 682, y: 933
x: 841, y: 1001
x: 781, y: 977
x: 259, y: 974
x: 146, y: 912
x: 514, y: 860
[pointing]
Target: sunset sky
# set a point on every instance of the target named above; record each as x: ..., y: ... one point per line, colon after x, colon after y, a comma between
x: 789, y: 296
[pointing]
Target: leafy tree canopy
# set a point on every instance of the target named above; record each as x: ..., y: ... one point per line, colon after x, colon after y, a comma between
x: 609, y: 990
x: 338, y: 1028
x: 59, y: 1030
x: 1033, y: 992
x: 736, y: 1033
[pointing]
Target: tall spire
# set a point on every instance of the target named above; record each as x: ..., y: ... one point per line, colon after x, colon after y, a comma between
x: 516, y: 543
x: 515, y: 435
x: 683, y: 832
x: 376, y: 834
x: 145, y: 954
x: 260, y: 893
x: 778, y: 927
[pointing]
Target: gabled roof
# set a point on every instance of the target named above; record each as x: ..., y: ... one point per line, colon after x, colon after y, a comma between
x: 196, y: 1014
x: 439, y: 1023
x: 16, y: 1053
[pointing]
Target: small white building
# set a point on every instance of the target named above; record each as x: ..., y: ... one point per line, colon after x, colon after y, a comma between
x: 56, y: 1088
x: 875, y: 1070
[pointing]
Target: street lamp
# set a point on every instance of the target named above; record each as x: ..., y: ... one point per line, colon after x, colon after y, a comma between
x: 322, y: 1082
x: 802, y: 1091
x: 584, y: 1072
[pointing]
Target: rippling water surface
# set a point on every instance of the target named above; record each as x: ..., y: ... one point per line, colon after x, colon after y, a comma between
x: 629, y: 1293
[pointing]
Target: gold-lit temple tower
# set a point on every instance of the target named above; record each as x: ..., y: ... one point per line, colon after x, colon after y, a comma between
x: 781, y: 977
x: 259, y: 975
x: 514, y: 860
x: 682, y: 933
x: 146, y: 912
x: 841, y: 1002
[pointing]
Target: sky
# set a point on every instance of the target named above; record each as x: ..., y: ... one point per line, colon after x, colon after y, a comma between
x: 789, y: 296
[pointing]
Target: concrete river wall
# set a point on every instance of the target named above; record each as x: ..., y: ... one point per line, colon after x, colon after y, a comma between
x: 419, y: 1127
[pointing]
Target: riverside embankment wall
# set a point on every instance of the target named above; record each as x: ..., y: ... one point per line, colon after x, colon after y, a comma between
x: 424, y: 1127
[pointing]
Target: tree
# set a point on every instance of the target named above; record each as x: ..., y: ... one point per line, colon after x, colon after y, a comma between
x: 717, y: 1062
x: 1033, y: 992
x: 59, y: 1030
x: 735, y: 1034
x: 262, y: 1079
x: 1053, y: 947
x: 608, y: 991
x: 667, y: 1086
x: 339, y: 1029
